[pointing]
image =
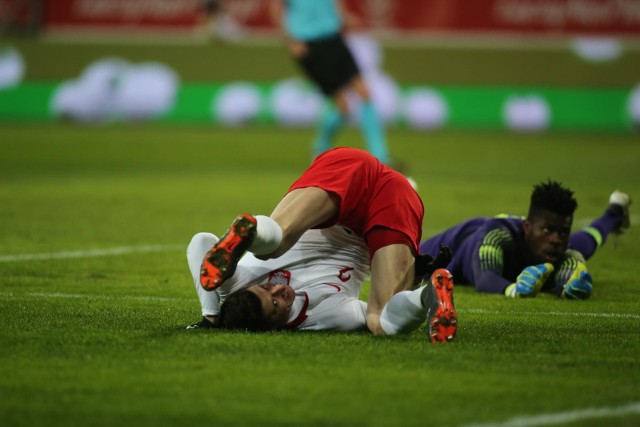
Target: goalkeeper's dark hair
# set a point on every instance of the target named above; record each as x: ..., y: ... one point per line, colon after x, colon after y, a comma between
x: 553, y: 197
x: 243, y: 310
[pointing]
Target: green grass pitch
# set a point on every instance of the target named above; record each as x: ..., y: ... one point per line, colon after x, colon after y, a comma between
x: 95, y: 290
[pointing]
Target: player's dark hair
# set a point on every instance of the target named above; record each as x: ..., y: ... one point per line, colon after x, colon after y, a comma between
x: 243, y: 310
x: 553, y: 197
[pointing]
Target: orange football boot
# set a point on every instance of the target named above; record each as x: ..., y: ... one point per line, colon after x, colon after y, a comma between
x: 437, y: 299
x: 222, y: 259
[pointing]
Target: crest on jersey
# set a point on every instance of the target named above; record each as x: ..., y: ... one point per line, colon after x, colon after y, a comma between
x: 344, y: 275
x: 280, y: 277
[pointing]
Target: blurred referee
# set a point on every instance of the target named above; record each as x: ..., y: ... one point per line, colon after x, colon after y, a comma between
x: 313, y: 30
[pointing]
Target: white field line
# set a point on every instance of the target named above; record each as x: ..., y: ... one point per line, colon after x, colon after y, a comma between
x: 122, y: 250
x: 565, y: 417
x: 53, y: 295
x: 551, y: 313
x: 92, y: 253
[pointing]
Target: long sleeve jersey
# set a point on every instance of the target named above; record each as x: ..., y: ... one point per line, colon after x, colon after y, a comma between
x: 490, y: 253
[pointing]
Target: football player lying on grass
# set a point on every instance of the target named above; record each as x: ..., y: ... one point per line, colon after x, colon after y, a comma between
x: 314, y: 286
x: 520, y: 257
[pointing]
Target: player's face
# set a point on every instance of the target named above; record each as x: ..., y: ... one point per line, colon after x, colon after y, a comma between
x: 276, y: 302
x: 547, y: 237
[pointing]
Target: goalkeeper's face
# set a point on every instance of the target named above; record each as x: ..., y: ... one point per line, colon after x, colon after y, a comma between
x: 276, y: 302
x: 547, y: 237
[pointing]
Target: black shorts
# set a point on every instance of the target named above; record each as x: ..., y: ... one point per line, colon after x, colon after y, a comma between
x: 329, y: 64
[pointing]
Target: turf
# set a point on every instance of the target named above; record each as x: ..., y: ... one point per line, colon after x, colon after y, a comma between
x: 100, y: 340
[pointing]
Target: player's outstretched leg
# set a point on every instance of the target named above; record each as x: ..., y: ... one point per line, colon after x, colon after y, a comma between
x: 437, y: 299
x: 220, y: 262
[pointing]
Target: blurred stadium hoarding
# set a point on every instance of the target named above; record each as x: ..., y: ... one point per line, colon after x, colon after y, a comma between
x: 529, y: 17
x: 242, y: 103
x: 109, y: 89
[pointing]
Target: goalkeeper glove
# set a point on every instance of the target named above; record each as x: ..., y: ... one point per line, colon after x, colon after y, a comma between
x: 579, y: 285
x: 530, y: 281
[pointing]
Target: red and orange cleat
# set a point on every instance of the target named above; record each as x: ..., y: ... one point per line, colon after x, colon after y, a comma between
x: 437, y: 299
x: 222, y: 259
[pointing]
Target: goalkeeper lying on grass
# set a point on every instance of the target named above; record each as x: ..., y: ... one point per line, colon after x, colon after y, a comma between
x: 523, y: 256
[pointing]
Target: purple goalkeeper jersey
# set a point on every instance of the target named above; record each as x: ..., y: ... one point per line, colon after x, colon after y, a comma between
x: 490, y: 253
x: 487, y: 252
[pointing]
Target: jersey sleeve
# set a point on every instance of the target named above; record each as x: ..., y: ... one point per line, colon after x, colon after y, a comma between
x: 488, y: 258
x: 339, y: 312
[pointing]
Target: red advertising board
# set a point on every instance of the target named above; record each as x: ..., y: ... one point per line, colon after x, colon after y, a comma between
x: 524, y: 16
x: 118, y: 14
x: 19, y: 14
x: 563, y: 17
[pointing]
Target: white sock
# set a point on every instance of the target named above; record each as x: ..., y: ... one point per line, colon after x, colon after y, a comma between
x: 403, y: 313
x: 197, y: 249
x: 268, y: 236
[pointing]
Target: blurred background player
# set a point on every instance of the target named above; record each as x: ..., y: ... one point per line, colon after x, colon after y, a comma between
x: 517, y: 256
x: 313, y: 31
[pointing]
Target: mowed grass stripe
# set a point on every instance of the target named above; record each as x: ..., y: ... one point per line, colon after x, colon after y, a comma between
x: 55, y: 295
x: 549, y: 313
x: 123, y: 250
